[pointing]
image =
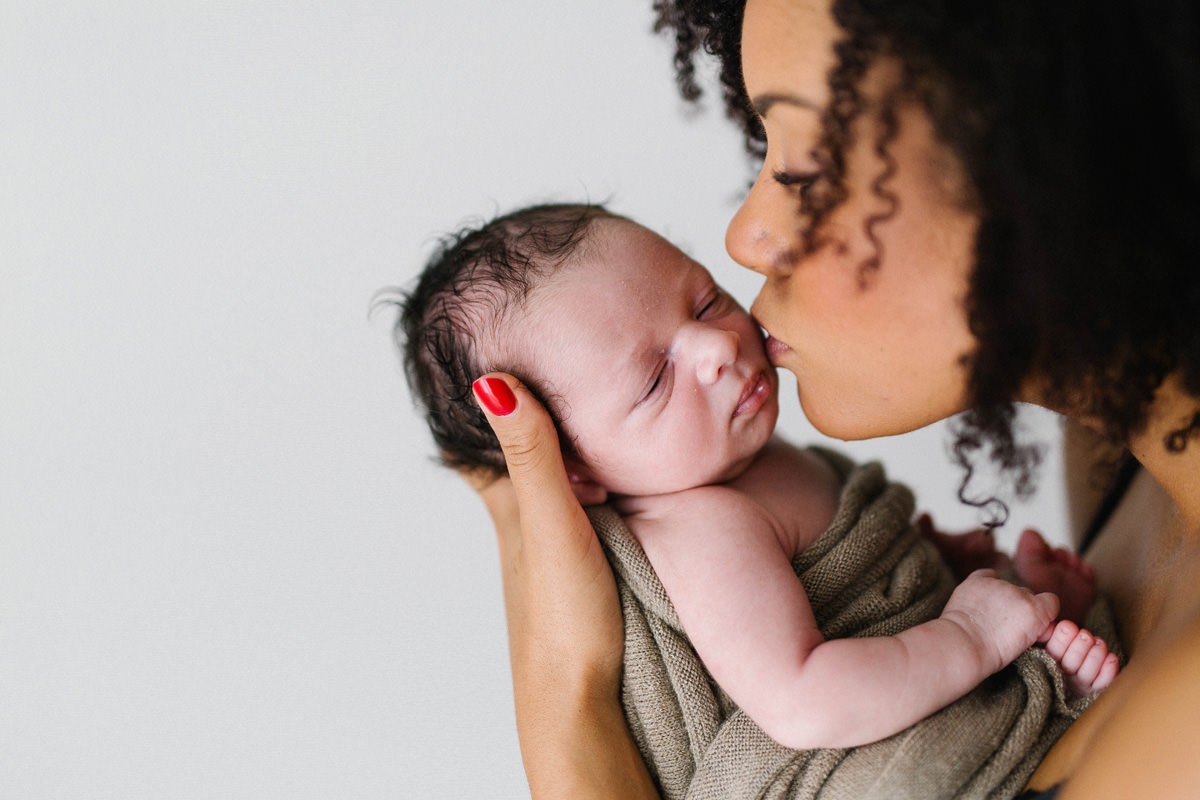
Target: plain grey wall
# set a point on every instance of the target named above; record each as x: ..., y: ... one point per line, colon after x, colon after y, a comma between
x: 229, y: 568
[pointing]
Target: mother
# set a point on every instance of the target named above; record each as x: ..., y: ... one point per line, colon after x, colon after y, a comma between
x: 961, y: 205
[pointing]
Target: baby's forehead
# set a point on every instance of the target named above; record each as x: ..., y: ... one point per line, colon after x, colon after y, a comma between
x: 607, y: 293
x: 622, y: 255
x: 623, y: 234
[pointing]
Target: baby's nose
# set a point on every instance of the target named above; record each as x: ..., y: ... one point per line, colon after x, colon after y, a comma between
x: 713, y: 350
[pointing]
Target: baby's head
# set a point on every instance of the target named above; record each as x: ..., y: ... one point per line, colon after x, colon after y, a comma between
x: 656, y: 378
x: 470, y: 290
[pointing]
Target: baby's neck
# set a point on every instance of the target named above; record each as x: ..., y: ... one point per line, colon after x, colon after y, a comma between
x: 795, y: 487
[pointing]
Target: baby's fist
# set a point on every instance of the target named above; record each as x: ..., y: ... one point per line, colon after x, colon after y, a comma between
x: 1001, y: 618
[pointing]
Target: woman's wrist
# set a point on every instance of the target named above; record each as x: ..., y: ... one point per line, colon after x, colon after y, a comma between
x: 576, y: 743
x: 575, y: 740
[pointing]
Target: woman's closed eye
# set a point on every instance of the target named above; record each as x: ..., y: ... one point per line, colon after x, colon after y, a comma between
x: 802, y: 180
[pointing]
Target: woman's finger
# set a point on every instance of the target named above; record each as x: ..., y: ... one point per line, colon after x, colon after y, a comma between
x: 531, y: 450
x: 564, y: 618
x: 558, y: 586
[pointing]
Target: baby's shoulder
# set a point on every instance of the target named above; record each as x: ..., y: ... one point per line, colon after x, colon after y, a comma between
x: 788, y: 494
x: 687, y: 531
x: 714, y: 502
x: 783, y: 467
x: 796, y: 486
x: 693, y: 516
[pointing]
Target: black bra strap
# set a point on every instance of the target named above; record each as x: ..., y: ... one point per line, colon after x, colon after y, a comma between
x: 1126, y: 472
x: 1049, y: 794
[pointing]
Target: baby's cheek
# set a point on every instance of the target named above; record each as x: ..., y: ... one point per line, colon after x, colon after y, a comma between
x: 694, y: 448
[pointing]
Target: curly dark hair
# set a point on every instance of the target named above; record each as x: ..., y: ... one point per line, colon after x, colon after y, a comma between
x: 1078, y: 127
x: 474, y: 278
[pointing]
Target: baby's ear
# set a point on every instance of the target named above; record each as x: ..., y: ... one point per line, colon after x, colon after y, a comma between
x: 587, y: 491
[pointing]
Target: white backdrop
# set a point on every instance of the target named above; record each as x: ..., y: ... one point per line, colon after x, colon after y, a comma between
x: 228, y: 567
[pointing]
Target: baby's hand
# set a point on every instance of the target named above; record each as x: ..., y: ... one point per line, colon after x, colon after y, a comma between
x: 1002, y: 619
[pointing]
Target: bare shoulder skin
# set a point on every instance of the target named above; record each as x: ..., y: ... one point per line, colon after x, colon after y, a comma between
x: 1148, y: 717
x: 1140, y: 738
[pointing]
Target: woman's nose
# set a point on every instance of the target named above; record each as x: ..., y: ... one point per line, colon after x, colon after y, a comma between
x: 764, y: 234
x: 711, y: 350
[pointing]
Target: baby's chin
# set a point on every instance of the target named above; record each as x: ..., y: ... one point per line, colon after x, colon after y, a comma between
x: 735, y: 469
x: 689, y: 478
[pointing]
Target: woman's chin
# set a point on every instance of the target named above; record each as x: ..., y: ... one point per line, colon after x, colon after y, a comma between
x: 841, y: 420
x: 849, y: 423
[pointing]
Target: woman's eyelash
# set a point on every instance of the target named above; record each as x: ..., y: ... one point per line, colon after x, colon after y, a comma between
x: 803, y: 180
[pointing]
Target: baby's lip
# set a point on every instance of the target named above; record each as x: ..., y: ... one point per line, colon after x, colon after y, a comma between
x: 754, y: 394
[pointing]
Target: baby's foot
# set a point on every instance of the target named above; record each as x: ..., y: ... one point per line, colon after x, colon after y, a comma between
x: 964, y: 552
x: 1043, y: 568
x: 1086, y: 663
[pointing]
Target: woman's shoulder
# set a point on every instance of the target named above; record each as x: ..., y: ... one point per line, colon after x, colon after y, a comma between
x: 1148, y: 735
x: 1141, y: 737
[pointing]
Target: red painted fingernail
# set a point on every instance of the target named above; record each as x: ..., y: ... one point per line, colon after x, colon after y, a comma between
x: 495, y: 396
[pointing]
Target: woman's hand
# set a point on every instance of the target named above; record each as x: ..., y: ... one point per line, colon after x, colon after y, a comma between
x: 565, y: 632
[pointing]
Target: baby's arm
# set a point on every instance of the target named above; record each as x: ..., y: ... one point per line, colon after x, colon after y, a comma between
x: 728, y: 572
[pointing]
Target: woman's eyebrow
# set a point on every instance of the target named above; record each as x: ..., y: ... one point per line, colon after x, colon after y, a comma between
x: 763, y: 102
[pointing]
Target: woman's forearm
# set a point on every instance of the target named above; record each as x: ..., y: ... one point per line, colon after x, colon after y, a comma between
x: 575, y: 741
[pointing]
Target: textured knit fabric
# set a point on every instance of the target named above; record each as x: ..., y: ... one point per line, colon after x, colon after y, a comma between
x: 870, y: 574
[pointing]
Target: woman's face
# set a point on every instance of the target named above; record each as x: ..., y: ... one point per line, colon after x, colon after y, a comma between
x: 879, y: 350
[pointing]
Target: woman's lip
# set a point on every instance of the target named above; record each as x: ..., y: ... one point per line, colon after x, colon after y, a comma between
x: 756, y: 393
x: 776, y: 349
